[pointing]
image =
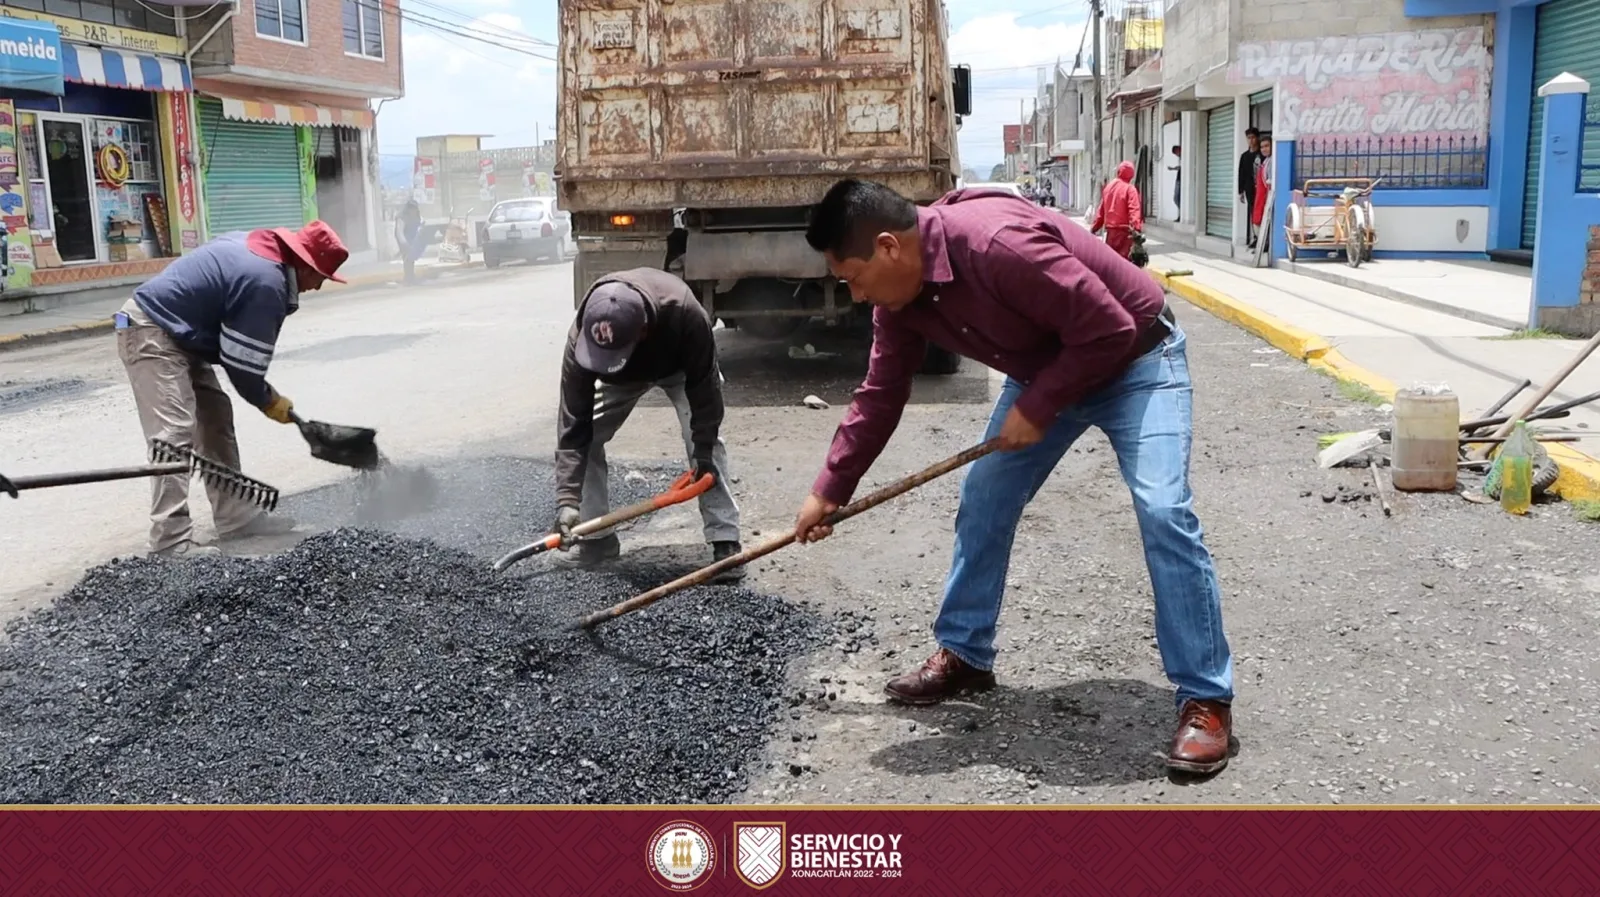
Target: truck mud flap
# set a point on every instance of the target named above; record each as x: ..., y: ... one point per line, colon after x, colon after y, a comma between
x: 597, y: 258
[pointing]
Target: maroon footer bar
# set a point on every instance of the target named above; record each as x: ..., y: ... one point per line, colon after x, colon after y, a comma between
x: 428, y: 851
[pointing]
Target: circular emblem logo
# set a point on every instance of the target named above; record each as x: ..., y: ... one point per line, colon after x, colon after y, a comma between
x: 681, y: 856
x: 601, y: 332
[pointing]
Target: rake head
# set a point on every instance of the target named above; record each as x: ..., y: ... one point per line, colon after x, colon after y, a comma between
x: 215, y: 474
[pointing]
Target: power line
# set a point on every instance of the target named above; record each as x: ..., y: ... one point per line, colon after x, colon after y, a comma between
x: 469, y: 18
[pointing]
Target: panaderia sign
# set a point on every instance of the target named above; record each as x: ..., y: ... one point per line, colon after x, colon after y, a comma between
x: 1431, y: 83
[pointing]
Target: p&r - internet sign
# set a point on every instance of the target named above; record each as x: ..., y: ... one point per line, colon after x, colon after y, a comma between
x: 30, y: 56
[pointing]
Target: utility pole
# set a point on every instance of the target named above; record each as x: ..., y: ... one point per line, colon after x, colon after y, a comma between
x: 1096, y: 175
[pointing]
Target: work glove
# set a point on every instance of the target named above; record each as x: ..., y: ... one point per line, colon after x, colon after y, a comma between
x: 566, y: 519
x: 278, y: 408
x: 703, y: 467
x: 7, y: 487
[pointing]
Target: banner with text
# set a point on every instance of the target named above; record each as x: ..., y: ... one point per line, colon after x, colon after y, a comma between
x: 710, y: 851
x: 1430, y: 84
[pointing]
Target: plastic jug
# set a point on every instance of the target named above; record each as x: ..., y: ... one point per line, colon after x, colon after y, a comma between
x: 1426, y: 439
x: 1516, y: 471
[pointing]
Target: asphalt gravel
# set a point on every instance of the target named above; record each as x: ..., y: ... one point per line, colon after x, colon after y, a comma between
x: 375, y: 667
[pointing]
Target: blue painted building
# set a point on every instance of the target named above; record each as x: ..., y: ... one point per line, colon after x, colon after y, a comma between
x: 1533, y: 42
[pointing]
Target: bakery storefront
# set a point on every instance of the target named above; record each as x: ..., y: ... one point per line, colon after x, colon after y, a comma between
x: 98, y: 166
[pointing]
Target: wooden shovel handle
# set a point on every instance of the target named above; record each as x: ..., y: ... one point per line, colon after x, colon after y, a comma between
x: 700, y: 577
x: 682, y: 489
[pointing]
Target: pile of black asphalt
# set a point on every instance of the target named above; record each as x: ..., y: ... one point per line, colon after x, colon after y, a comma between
x: 393, y: 666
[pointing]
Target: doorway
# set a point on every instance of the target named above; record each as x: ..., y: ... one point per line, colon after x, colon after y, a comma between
x: 71, y: 194
x: 340, y: 192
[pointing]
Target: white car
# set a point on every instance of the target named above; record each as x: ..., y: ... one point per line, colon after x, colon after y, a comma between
x: 995, y: 185
x: 526, y: 229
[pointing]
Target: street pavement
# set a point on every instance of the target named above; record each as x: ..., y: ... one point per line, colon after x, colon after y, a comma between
x: 99, y: 308
x: 1439, y: 655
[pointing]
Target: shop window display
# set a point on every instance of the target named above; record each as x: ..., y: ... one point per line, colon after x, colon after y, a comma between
x: 126, y: 172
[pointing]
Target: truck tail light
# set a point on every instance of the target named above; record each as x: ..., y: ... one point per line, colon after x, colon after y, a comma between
x: 622, y: 221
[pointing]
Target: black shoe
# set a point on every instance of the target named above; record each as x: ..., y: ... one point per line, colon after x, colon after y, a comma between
x: 721, y: 551
x: 590, y: 554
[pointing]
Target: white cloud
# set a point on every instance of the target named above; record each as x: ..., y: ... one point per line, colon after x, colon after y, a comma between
x: 456, y: 84
x: 1005, y: 51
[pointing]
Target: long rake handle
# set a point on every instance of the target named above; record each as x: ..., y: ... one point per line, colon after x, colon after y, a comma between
x: 1550, y: 386
x: 700, y: 577
x: 80, y: 477
x: 683, y: 489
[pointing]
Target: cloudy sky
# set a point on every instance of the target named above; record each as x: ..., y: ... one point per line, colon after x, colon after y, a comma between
x: 478, y: 66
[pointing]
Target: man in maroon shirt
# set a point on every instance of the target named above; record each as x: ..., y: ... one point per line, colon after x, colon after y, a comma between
x: 1086, y: 340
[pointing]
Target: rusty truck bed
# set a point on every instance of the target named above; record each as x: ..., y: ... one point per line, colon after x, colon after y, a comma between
x: 726, y: 102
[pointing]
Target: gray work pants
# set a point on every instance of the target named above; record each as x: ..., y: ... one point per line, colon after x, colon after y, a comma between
x: 612, y: 405
x: 180, y: 401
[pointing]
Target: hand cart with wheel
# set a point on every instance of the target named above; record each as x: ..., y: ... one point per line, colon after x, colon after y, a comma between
x: 1346, y: 223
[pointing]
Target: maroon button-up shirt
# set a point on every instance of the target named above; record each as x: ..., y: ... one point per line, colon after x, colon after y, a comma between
x: 1022, y: 289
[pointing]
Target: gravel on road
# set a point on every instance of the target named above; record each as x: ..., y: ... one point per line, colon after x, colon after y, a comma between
x: 369, y: 667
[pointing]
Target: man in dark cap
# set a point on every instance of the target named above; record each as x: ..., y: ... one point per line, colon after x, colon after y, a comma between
x: 637, y: 330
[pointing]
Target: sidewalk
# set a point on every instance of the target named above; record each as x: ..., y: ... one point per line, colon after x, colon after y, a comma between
x: 84, y: 318
x: 1381, y: 342
x: 1487, y: 292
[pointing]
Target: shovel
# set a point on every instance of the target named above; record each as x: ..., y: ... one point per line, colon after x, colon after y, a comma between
x: 706, y: 574
x: 346, y: 446
x: 682, y: 489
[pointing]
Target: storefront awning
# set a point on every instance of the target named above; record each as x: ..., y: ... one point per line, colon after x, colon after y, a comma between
x: 291, y: 114
x: 118, y: 68
x: 30, y: 56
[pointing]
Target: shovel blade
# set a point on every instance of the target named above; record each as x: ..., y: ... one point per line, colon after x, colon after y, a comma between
x: 346, y: 446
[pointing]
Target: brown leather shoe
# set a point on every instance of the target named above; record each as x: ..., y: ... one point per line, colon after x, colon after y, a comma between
x: 943, y: 675
x: 1200, y: 746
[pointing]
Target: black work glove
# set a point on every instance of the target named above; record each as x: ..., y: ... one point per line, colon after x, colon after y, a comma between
x: 704, y: 466
x: 566, y: 519
x: 7, y: 487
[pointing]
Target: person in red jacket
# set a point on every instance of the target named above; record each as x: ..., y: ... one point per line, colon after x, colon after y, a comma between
x: 1263, y: 181
x: 1120, y: 210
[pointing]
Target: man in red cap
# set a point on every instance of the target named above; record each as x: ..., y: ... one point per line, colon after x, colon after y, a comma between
x: 635, y: 331
x: 223, y: 303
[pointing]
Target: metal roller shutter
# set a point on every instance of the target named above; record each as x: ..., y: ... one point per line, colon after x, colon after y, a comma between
x: 1221, y: 168
x: 252, y: 173
x: 1567, y: 40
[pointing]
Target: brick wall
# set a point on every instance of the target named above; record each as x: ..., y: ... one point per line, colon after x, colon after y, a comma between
x: 1264, y: 20
x: 324, y: 55
x: 1198, y: 39
x: 1202, y: 34
x: 1590, y: 287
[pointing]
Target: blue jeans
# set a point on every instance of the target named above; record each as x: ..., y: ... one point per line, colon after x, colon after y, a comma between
x: 1148, y: 416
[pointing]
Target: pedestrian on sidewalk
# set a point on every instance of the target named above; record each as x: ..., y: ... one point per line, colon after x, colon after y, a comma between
x: 408, y: 234
x: 1249, y: 162
x: 1086, y: 340
x: 1121, y: 212
x: 1258, y: 203
x: 223, y: 303
x: 635, y: 331
x: 1177, y: 180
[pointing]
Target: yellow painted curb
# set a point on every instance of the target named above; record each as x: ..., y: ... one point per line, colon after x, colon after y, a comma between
x: 1302, y: 344
x: 1580, y: 474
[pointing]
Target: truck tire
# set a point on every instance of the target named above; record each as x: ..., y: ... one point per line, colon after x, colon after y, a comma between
x: 940, y: 362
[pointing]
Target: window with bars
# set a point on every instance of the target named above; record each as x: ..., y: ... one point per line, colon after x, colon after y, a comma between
x: 363, y: 28
x: 281, y: 19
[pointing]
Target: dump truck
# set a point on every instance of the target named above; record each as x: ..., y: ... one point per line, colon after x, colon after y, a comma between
x: 695, y: 135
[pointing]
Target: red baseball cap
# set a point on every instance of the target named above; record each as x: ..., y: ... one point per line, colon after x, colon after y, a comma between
x: 317, y: 246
